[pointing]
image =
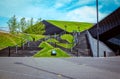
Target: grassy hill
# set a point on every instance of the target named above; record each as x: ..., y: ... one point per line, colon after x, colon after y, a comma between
x: 34, y: 32
x: 7, y: 39
x: 70, y: 25
x: 29, y: 37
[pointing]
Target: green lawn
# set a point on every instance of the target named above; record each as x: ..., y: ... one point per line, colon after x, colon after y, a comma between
x: 7, y: 39
x: 26, y: 37
x: 45, y: 45
x: 65, y: 45
x: 37, y: 37
x: 67, y: 37
x: 52, y: 40
x: 47, y: 49
x: 30, y: 37
x: 71, y: 26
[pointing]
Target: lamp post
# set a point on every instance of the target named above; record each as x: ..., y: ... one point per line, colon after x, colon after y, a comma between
x: 97, y: 28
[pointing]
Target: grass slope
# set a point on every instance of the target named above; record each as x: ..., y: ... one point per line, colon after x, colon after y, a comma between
x: 47, y: 49
x: 65, y: 45
x: 52, y: 40
x: 37, y: 37
x: 30, y: 37
x: 71, y: 26
x: 38, y: 28
x: 7, y: 39
x: 67, y: 37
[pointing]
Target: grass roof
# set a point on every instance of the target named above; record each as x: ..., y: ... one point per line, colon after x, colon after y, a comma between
x: 71, y: 26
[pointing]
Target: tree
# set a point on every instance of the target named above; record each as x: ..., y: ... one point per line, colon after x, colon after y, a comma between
x: 23, y: 24
x: 39, y: 20
x: 13, y: 24
x: 38, y: 28
x: 30, y: 25
x: 31, y: 22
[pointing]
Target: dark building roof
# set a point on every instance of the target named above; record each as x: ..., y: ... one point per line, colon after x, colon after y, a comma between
x: 51, y: 29
x: 108, y: 27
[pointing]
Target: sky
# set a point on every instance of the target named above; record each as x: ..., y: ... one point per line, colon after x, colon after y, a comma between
x: 69, y: 10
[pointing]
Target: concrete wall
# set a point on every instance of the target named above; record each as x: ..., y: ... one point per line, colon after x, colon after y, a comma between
x: 102, y: 47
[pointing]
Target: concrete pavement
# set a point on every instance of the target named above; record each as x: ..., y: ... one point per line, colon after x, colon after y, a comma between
x: 59, y: 68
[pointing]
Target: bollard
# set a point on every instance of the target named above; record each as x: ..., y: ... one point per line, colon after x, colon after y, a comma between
x: 16, y: 50
x: 9, y: 52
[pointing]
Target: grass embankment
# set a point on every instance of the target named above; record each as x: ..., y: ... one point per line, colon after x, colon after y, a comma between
x: 68, y: 37
x: 52, y: 40
x: 47, y: 49
x: 37, y: 37
x: 7, y: 39
x: 71, y: 26
x: 31, y: 37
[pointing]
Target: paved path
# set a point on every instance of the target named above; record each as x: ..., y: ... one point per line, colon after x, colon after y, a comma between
x: 59, y: 68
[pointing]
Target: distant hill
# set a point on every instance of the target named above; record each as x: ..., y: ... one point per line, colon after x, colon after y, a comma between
x: 70, y: 25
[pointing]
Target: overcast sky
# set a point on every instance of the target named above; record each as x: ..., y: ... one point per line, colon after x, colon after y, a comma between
x: 71, y: 10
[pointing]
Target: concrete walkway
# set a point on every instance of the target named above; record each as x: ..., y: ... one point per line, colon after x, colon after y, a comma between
x: 59, y: 68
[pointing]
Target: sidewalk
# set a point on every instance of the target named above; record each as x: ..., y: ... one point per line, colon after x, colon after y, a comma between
x: 59, y: 68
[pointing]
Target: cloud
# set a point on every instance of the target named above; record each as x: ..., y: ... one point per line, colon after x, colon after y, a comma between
x: 84, y: 14
x: 74, y: 4
x: 61, y: 3
x: 75, y: 10
x: 117, y: 2
x: 84, y: 2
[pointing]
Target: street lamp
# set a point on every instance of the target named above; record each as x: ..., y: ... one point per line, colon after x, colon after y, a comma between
x: 97, y: 28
